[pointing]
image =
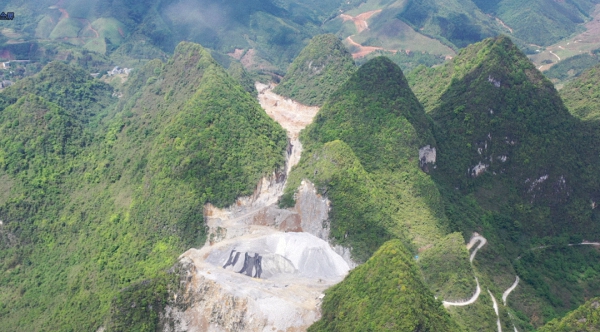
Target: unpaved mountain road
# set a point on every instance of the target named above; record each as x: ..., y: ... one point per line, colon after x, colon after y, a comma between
x: 482, y: 241
x: 496, y: 311
x: 509, y: 290
x: 465, y: 302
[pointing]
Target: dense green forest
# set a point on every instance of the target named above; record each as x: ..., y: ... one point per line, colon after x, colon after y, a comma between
x: 104, y: 185
x: 514, y: 155
x: 375, y: 116
x: 584, y: 318
x: 384, y: 294
x: 322, y: 66
x: 98, y: 198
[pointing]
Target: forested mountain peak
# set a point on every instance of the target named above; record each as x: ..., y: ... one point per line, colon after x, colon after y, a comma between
x: 322, y: 66
x: 385, y: 293
x: 498, y: 118
x: 369, y: 111
x: 132, y: 186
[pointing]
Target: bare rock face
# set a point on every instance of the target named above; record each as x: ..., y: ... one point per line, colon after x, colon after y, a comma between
x: 427, y: 156
x: 296, y: 270
x: 262, y: 268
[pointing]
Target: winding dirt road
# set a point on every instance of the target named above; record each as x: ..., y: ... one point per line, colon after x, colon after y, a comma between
x: 474, y: 239
x: 465, y: 302
x: 509, y: 290
x: 496, y: 310
x: 360, y: 21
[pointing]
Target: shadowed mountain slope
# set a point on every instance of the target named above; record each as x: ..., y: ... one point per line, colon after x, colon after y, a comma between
x: 320, y: 69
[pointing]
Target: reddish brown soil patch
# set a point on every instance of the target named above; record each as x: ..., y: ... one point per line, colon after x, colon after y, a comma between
x: 364, y: 50
x: 89, y: 26
x: 360, y: 21
x: 5, y: 54
x: 64, y: 13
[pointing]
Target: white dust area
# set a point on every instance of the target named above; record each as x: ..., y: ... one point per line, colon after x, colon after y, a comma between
x: 291, y: 115
x: 496, y: 310
x: 509, y: 290
x: 297, y: 263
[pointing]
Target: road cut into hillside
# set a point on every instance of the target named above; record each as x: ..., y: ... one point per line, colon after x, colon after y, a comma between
x: 509, y: 290
x: 482, y: 241
x: 495, y: 305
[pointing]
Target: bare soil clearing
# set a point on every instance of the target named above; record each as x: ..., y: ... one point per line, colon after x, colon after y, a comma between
x: 360, y: 21
x: 295, y: 262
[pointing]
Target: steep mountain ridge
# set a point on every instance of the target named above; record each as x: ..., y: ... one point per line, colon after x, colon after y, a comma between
x: 376, y: 116
x: 386, y: 294
x: 512, y: 162
x: 320, y: 68
x: 119, y: 193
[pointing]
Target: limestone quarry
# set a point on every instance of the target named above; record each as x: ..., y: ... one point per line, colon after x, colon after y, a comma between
x: 262, y: 268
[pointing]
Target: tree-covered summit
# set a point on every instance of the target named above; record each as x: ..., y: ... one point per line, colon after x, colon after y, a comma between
x: 322, y: 66
x: 387, y: 293
x: 376, y: 113
x: 91, y: 208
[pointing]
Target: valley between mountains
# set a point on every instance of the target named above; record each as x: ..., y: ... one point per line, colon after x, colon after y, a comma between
x: 346, y: 197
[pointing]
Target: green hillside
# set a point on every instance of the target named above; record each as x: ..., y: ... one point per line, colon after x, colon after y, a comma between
x: 375, y: 116
x: 320, y: 69
x: 541, y: 22
x: 447, y: 270
x: 96, y: 201
x: 584, y: 319
x: 582, y: 95
x: 238, y: 73
x: 386, y: 293
x: 455, y: 22
x: 515, y: 164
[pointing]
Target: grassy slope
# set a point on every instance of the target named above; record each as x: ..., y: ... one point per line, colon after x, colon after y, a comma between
x: 582, y: 95
x: 320, y: 69
x: 455, y: 22
x: 584, y: 318
x: 123, y: 195
x: 387, y: 293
